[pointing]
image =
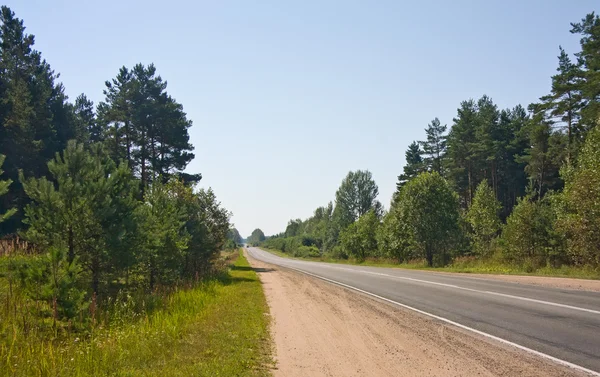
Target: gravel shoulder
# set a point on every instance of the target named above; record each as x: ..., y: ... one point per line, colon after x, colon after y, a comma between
x: 320, y: 329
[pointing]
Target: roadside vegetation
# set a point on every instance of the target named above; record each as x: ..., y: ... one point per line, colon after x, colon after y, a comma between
x: 216, y: 326
x: 502, y: 190
x: 110, y: 257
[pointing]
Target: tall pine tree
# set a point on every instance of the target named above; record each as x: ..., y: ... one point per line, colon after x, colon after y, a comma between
x: 589, y: 60
x: 461, y: 147
x: 563, y: 105
x: 145, y: 126
x: 414, y: 165
x: 435, y: 146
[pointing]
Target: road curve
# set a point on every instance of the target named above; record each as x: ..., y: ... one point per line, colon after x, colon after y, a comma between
x: 561, y: 323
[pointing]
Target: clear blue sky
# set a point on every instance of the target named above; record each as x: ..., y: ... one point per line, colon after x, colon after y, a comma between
x: 287, y: 97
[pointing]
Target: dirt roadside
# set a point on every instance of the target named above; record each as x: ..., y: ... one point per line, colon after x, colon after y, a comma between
x: 320, y: 329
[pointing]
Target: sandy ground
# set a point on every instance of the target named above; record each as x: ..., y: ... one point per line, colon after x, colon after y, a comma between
x: 565, y: 283
x: 320, y: 329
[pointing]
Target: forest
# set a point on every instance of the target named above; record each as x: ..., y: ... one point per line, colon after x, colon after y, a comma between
x: 98, y: 220
x: 517, y: 186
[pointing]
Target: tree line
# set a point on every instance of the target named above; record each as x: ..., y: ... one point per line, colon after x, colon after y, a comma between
x: 99, y: 191
x: 518, y: 184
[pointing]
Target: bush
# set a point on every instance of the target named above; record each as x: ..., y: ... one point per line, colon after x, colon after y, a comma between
x: 338, y: 252
x: 359, y: 239
x: 307, y: 252
x: 393, y: 238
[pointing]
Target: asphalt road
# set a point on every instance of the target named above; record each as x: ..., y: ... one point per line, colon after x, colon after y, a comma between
x: 561, y: 323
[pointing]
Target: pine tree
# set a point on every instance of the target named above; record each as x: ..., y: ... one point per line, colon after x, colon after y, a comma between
x: 486, y: 149
x: 145, y: 126
x: 461, y: 151
x: 36, y: 121
x: 87, y: 130
x: 589, y: 60
x: 543, y: 158
x: 3, y: 190
x: 563, y: 105
x: 513, y: 141
x: 87, y: 209
x: 435, y: 146
x: 114, y: 117
x: 414, y: 165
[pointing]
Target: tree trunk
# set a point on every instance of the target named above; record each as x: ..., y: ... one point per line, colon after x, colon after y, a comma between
x: 71, y: 254
x: 95, y: 275
x: 470, y: 193
x: 143, y: 162
x: 570, y: 135
x: 128, y: 142
x: 429, y: 255
x: 541, y: 181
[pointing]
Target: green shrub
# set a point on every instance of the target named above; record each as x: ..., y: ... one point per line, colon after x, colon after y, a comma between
x: 307, y: 252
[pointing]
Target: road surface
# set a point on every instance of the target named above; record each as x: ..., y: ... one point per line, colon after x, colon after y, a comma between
x: 557, y: 323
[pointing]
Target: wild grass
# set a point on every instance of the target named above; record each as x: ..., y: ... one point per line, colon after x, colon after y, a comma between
x: 216, y: 328
x: 465, y: 265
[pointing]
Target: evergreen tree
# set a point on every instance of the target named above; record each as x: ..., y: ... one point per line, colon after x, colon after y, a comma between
x: 414, y: 165
x: 3, y: 190
x: 543, y: 158
x: 461, y: 151
x: 114, y: 117
x: 435, y: 146
x: 513, y: 141
x: 564, y: 104
x: 146, y: 126
x: 487, y: 147
x: 36, y: 121
x: 165, y: 239
x: 87, y: 209
x: 589, y: 60
x: 87, y: 129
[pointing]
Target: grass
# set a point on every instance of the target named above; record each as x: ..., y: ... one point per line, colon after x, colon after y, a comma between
x: 464, y: 265
x: 219, y: 328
